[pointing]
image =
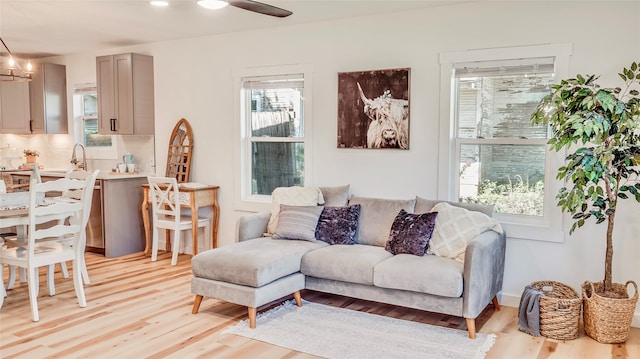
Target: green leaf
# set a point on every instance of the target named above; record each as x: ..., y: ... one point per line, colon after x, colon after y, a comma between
x: 623, y: 195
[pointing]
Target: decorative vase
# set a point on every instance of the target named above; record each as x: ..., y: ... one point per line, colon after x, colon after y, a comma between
x: 31, y: 159
x: 608, y: 320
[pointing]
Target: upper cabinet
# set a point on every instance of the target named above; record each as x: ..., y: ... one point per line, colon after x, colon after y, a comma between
x: 125, y: 94
x: 14, y: 107
x: 48, y: 98
x: 37, y: 106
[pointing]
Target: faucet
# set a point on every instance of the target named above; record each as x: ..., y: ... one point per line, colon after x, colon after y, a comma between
x: 74, y: 159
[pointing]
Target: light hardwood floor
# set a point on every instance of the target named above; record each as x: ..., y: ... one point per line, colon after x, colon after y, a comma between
x: 140, y: 309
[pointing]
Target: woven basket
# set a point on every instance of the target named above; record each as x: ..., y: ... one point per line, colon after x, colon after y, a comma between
x: 608, y: 320
x: 559, y: 310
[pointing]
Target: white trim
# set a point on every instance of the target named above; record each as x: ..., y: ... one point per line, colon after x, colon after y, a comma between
x: 547, y: 229
x: 244, y: 201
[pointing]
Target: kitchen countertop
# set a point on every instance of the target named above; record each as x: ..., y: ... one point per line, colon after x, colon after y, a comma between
x: 103, y: 175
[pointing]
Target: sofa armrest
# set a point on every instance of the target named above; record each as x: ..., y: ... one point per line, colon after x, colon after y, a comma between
x: 252, y: 225
x: 483, y: 272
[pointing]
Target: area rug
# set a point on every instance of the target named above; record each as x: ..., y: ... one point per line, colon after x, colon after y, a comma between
x: 338, y: 333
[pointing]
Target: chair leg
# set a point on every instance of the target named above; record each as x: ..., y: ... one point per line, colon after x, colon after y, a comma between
x: 32, y: 283
x: 85, y: 272
x: 50, y: 279
x: 252, y: 317
x: 196, y: 304
x: 12, y: 277
x: 3, y: 292
x: 77, y: 284
x: 154, y: 245
x: 177, y: 235
x: 64, y: 270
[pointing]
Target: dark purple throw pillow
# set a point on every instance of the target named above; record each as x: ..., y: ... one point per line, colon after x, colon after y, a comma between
x: 338, y: 225
x: 410, y: 233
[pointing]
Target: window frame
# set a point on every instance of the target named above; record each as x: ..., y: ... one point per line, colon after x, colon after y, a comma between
x: 92, y: 152
x: 549, y: 227
x: 244, y: 200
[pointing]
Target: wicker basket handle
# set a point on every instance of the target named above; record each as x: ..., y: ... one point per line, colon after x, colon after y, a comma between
x: 635, y: 285
x: 588, y: 294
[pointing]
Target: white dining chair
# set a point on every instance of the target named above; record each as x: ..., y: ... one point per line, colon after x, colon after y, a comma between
x: 40, y: 252
x: 87, y: 192
x: 165, y: 199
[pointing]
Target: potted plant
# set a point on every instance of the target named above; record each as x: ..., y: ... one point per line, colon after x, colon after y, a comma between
x: 600, y: 130
x: 31, y: 155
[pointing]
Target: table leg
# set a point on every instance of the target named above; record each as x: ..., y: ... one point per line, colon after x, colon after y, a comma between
x: 145, y: 220
x: 216, y: 221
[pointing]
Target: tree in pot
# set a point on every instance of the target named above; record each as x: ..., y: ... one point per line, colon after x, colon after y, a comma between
x: 600, y: 128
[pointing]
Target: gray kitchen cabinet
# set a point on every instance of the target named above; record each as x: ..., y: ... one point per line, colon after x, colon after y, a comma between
x: 125, y: 94
x: 14, y: 107
x: 122, y: 226
x: 48, y: 99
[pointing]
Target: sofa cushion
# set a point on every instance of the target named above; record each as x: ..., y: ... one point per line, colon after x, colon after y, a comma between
x: 425, y: 205
x: 293, y: 196
x: 410, y: 233
x: 335, y: 196
x: 338, y: 225
x: 298, y: 222
x: 427, y: 274
x: 254, y: 263
x: 376, y: 217
x: 347, y: 263
x: 455, y: 228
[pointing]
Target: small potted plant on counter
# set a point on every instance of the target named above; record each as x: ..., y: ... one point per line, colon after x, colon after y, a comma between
x: 31, y: 155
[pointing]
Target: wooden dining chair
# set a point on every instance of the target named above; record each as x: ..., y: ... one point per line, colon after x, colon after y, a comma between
x: 165, y: 200
x: 40, y: 252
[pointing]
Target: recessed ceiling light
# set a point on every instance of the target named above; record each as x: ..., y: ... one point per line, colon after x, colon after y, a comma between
x: 159, y: 3
x: 212, y: 4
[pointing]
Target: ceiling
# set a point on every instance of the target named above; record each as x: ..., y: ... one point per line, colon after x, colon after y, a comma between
x: 42, y: 28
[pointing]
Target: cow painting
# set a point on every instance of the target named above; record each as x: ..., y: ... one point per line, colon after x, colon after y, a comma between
x: 389, y: 121
x: 373, y: 109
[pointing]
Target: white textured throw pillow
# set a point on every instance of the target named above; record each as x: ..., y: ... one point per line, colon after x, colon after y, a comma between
x: 292, y: 196
x: 455, y: 228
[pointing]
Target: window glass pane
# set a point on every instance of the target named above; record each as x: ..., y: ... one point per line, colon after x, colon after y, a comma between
x: 276, y: 112
x: 90, y: 105
x: 500, y: 106
x: 511, y: 177
x: 276, y: 164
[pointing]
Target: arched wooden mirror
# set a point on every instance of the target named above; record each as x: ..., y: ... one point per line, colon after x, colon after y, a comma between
x: 180, y: 150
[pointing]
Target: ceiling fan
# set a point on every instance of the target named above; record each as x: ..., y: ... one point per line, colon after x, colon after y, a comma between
x: 250, y: 5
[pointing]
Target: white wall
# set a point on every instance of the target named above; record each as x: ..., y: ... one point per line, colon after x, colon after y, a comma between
x: 193, y: 79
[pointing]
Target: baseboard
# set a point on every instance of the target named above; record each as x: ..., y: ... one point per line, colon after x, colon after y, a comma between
x: 511, y: 300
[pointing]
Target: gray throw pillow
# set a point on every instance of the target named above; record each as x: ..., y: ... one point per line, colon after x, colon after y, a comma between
x: 376, y: 217
x: 298, y: 222
x: 410, y: 233
x: 338, y: 225
x: 335, y: 196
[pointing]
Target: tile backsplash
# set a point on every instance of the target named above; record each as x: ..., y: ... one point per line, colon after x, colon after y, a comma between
x: 56, y: 151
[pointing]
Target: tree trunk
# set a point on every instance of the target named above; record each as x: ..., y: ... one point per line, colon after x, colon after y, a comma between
x: 609, y: 255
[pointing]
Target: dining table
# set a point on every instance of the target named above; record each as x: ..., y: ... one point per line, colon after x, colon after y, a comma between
x: 193, y: 196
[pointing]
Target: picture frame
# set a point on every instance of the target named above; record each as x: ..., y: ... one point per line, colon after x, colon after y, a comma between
x: 373, y: 109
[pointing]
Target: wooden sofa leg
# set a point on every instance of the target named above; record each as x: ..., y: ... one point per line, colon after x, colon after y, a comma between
x: 471, y: 327
x: 196, y: 304
x: 298, y: 298
x: 495, y: 303
x: 252, y: 317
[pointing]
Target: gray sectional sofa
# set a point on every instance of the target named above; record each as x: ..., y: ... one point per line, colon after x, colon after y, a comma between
x: 258, y: 269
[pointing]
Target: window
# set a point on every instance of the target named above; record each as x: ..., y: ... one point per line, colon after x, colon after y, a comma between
x: 274, y: 140
x: 494, y: 155
x: 86, y: 109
